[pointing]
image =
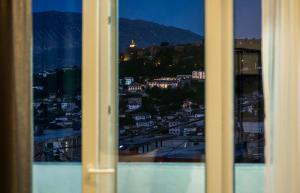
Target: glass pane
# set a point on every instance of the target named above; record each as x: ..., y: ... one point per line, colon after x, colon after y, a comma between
x: 249, y: 103
x: 161, y: 96
x: 57, y: 95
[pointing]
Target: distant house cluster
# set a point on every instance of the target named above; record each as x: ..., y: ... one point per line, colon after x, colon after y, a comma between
x: 162, y: 82
x: 57, y: 120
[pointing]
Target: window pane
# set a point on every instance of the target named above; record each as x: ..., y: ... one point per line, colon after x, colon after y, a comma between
x: 161, y: 96
x: 161, y: 75
x: 249, y: 103
x: 57, y: 95
x: 57, y: 80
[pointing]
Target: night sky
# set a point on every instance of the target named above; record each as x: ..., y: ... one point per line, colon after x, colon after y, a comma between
x: 186, y: 14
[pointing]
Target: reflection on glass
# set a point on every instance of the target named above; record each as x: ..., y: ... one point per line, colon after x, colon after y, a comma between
x: 249, y: 106
x: 161, y: 81
x: 249, y: 102
x: 57, y: 80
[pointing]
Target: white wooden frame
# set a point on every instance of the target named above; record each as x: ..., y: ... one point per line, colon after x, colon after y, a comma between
x: 219, y: 96
x: 99, y: 154
x: 99, y: 96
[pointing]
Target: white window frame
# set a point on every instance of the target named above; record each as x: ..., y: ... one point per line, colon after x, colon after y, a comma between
x: 219, y: 96
x: 99, y: 120
x: 100, y: 85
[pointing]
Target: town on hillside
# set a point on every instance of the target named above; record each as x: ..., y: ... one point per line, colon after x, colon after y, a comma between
x: 161, y: 105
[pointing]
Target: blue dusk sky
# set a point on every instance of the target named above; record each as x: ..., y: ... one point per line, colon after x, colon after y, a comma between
x: 57, y: 5
x: 186, y: 14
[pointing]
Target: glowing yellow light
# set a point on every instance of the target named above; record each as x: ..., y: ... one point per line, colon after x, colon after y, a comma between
x: 133, y: 44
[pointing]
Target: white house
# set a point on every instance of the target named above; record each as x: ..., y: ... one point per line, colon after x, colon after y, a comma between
x: 253, y: 127
x: 128, y: 81
x: 135, y: 87
x: 147, y: 123
x: 198, y: 75
x: 175, y: 131
x: 141, y: 117
x: 68, y: 106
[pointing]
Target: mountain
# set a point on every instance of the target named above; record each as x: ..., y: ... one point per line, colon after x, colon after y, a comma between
x: 57, y: 37
x: 147, y: 33
x: 56, y: 40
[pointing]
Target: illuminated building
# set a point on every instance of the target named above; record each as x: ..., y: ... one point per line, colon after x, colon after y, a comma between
x: 198, y: 75
x: 135, y: 87
x: 133, y: 44
x: 164, y: 83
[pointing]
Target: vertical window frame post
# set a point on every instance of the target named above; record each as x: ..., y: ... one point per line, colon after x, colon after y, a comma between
x: 99, y: 121
x: 219, y: 96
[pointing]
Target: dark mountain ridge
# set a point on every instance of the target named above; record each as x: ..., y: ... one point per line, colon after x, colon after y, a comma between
x: 147, y: 33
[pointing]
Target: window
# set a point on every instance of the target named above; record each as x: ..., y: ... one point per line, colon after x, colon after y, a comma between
x: 161, y: 96
x: 164, y: 92
x: 57, y: 80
